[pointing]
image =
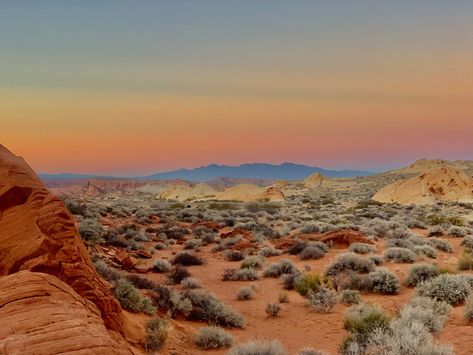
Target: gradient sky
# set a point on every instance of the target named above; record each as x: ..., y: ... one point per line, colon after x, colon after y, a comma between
x: 134, y: 87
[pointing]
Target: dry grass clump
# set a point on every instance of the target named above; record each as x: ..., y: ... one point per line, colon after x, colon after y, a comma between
x: 157, y: 331
x: 258, y: 348
x: 273, y: 309
x: 245, y: 294
x: 213, y: 338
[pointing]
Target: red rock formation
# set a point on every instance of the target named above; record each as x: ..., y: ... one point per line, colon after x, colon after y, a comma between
x: 37, y: 233
x: 344, y: 237
x: 42, y: 315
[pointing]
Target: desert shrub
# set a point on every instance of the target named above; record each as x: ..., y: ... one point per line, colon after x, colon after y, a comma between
x: 435, y: 231
x: 420, y: 273
x: 297, y: 248
x: 208, y: 308
x: 177, y: 274
x: 361, y: 248
x: 384, y: 282
x: 467, y: 242
x: 252, y: 262
x: 350, y: 261
x: 283, y: 297
x: 430, y: 313
x: 457, y: 232
x: 157, y: 331
x: 141, y: 282
x: 107, y: 272
x: 186, y: 259
x: 351, y: 280
x: 213, y: 338
x: 172, y: 301
x: 318, y: 244
x: 400, y: 243
x: 376, y: 259
x: 322, y: 300
x: 234, y: 255
x: 362, y: 320
x: 310, y: 283
x: 192, y: 243
x: 426, y: 250
x: 436, y: 219
x: 258, y: 348
x: 453, y: 289
x: 245, y: 294
x: 469, y: 308
x: 465, y: 262
x: 190, y: 283
x: 91, y: 231
x: 239, y: 275
x: 161, y: 265
x: 350, y: 297
x: 273, y: 309
x: 160, y: 246
x: 400, y: 255
x: 440, y: 244
x: 269, y: 251
x: 284, y: 266
x: 288, y: 280
x: 311, y: 252
x: 269, y: 207
x: 414, y: 339
x: 130, y: 298
x: 76, y: 207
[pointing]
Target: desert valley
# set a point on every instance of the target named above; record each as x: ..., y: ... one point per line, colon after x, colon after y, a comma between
x: 242, y: 177
x: 363, y: 265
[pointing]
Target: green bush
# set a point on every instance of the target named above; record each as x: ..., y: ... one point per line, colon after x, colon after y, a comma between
x: 362, y: 320
x: 213, y: 338
x: 465, y: 262
x: 310, y: 282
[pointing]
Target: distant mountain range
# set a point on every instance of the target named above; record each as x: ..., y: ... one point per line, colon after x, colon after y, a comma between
x: 285, y: 171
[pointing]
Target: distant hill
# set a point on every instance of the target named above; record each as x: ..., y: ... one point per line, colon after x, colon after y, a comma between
x: 285, y: 171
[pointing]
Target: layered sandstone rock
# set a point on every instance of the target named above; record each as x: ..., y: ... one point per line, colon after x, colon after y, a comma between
x: 42, y: 315
x: 442, y: 184
x: 249, y: 192
x: 37, y: 233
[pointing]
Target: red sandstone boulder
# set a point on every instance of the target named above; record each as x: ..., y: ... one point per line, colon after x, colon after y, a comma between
x: 40, y: 314
x: 37, y: 233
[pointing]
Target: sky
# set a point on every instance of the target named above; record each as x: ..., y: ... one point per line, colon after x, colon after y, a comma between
x: 135, y: 87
